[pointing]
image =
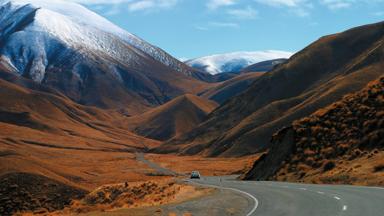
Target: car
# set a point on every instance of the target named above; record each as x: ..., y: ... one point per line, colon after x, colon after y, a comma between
x: 195, y: 175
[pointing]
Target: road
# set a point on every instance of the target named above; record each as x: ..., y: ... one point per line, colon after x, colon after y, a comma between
x: 266, y: 198
x: 161, y: 170
x: 290, y: 199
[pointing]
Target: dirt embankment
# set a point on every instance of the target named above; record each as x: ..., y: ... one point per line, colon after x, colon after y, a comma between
x: 342, y: 143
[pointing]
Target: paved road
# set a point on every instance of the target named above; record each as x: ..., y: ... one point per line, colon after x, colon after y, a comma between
x: 161, y: 170
x: 288, y: 199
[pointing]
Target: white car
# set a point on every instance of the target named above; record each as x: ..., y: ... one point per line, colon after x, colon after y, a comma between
x: 195, y: 175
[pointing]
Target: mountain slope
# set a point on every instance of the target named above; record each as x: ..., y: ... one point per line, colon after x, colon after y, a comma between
x: 47, y: 138
x: 342, y: 143
x: 263, y: 66
x: 231, y: 87
x: 33, y: 114
x: 176, y: 117
x: 234, y: 62
x: 313, y: 78
x: 84, y: 56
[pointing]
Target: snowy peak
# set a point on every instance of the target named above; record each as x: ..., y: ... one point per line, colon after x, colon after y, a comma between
x: 89, y: 59
x: 81, y: 28
x: 236, y: 61
x: 75, y: 12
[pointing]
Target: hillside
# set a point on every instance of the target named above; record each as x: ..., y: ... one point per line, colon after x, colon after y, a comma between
x: 176, y: 117
x: 342, y: 143
x: 47, y: 139
x: 69, y: 48
x: 230, y: 88
x: 263, y: 66
x: 40, y: 126
x: 315, y: 77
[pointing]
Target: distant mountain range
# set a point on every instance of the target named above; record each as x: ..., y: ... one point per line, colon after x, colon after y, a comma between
x: 236, y: 61
x: 75, y: 88
x: 68, y: 47
x: 315, y: 77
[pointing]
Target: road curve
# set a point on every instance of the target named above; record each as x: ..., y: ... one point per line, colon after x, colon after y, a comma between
x: 164, y: 171
x: 291, y: 199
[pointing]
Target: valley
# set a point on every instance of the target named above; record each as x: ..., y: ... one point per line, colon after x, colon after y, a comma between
x: 97, y: 121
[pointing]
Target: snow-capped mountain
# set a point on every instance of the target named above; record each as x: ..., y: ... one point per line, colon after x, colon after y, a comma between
x: 235, y: 61
x: 66, y: 46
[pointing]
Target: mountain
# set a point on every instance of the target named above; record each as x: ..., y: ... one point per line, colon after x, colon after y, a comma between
x: 32, y: 114
x: 234, y: 62
x: 342, y: 143
x: 230, y: 88
x: 48, y: 139
x: 263, y: 66
x: 92, y: 61
x: 176, y: 117
x: 317, y: 76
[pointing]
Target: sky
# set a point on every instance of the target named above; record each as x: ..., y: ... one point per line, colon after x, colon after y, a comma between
x: 194, y: 28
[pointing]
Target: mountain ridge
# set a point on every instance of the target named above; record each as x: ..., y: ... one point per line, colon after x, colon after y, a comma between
x: 171, y: 119
x: 79, y: 58
x: 316, y: 76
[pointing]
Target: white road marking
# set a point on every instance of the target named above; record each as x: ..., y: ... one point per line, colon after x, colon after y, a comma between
x: 303, y: 188
x: 239, y: 191
x: 320, y: 192
x: 338, y: 198
x: 345, y: 208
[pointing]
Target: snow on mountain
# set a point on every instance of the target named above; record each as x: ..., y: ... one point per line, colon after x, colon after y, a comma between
x: 77, y: 26
x: 235, y: 61
x: 92, y: 61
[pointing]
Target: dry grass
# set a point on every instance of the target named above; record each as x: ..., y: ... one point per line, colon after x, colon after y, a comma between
x: 206, y: 166
x: 133, y: 195
x: 341, y: 143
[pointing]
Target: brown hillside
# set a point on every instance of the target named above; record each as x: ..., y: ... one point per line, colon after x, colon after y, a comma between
x: 39, y: 128
x: 62, y: 147
x: 176, y: 117
x: 343, y: 143
x: 315, y: 77
x: 231, y: 87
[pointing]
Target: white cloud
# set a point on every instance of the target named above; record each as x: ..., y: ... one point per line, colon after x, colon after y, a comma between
x: 214, y: 4
x: 141, y: 5
x: 201, y: 28
x: 337, y: 4
x: 282, y: 3
x: 133, y: 5
x: 224, y: 24
x: 378, y: 13
x: 244, y: 13
x: 99, y: 2
x: 298, y: 7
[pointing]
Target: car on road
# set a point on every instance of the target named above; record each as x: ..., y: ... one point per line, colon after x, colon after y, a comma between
x: 195, y: 175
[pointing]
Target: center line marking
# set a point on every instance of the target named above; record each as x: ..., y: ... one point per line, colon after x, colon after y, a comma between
x: 345, y: 208
x: 338, y: 198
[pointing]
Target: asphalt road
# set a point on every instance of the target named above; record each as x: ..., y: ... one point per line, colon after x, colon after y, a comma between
x: 161, y: 170
x: 289, y: 199
x: 286, y: 199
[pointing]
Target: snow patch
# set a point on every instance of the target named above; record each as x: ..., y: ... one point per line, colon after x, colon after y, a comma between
x: 235, y: 61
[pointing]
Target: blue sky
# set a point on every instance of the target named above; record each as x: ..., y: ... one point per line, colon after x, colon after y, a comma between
x: 194, y: 28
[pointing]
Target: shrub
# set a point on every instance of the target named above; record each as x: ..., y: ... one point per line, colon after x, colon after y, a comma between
x: 379, y: 168
x: 329, y: 166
